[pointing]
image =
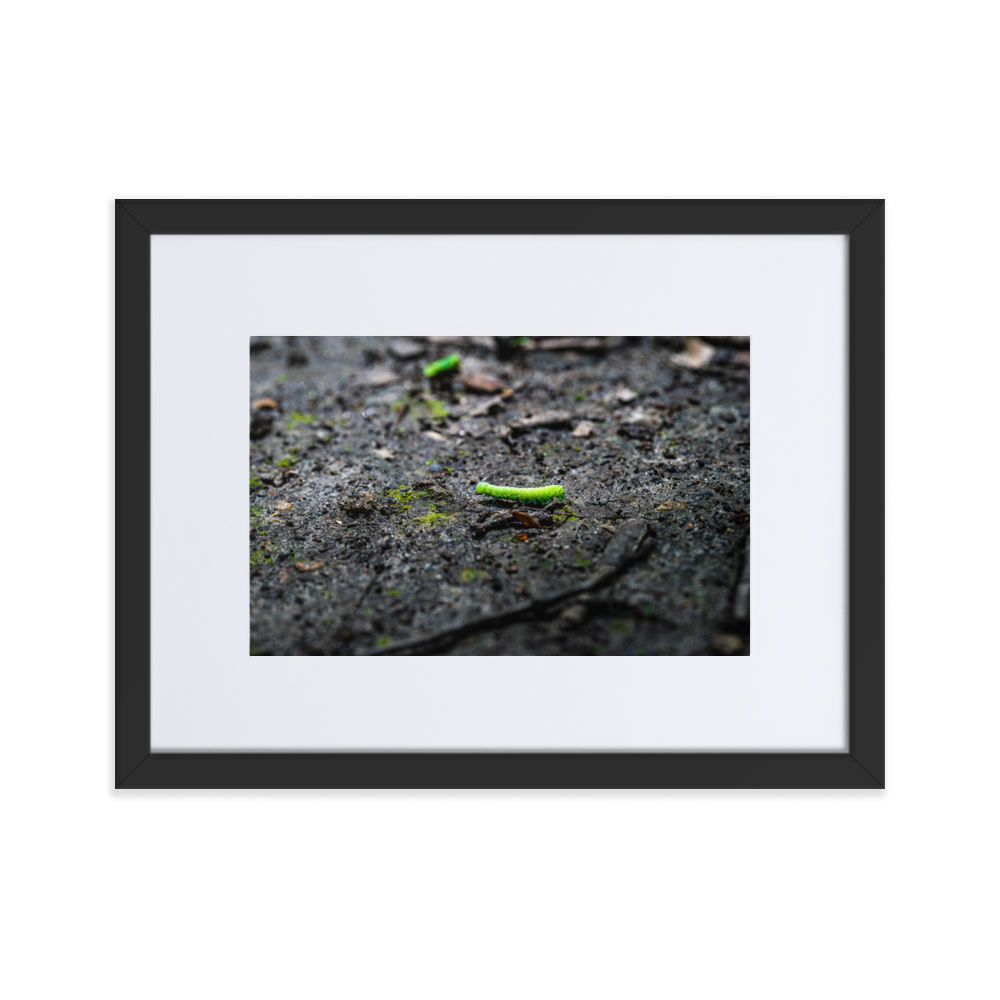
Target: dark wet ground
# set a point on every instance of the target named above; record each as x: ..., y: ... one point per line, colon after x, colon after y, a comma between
x: 366, y: 533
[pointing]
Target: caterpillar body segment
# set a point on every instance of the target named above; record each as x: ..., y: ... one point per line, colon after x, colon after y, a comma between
x: 534, y: 494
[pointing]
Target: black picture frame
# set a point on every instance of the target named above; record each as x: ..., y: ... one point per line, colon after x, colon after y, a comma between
x: 863, y: 221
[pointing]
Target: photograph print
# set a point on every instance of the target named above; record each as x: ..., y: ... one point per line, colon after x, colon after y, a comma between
x: 499, y: 496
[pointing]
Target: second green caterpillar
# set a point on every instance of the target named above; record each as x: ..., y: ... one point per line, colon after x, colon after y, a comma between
x: 452, y: 363
x: 535, y: 494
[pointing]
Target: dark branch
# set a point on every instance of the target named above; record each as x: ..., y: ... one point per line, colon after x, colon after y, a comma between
x: 625, y: 547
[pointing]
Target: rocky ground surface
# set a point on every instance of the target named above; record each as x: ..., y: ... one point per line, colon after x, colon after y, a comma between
x: 367, y: 535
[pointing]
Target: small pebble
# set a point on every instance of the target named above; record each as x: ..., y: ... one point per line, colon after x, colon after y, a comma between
x: 573, y: 616
x: 727, y: 645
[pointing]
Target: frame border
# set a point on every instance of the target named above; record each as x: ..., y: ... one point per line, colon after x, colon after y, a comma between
x: 863, y: 766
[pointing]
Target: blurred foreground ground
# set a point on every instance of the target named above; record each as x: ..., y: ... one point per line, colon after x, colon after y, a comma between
x: 367, y: 536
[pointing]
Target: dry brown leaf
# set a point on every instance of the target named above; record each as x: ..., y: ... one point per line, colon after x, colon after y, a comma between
x: 584, y: 429
x: 406, y: 350
x: 595, y: 344
x: 485, y: 408
x: 483, y: 383
x: 696, y: 354
x: 377, y: 378
x: 282, y: 505
x: 521, y: 538
x: 307, y: 567
x: 485, y: 342
x: 526, y: 519
x: 550, y: 418
x: 265, y: 404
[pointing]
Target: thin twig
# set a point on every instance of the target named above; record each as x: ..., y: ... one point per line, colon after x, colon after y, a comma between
x: 403, y: 410
x: 624, y: 548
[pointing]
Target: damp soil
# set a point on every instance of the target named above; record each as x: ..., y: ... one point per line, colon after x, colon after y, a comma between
x: 367, y: 535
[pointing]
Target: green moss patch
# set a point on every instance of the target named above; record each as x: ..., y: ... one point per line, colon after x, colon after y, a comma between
x: 299, y: 418
x: 433, y: 519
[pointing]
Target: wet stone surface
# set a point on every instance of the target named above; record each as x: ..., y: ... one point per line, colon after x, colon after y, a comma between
x: 366, y: 531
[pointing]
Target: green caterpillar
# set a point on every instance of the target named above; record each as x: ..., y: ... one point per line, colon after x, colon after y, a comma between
x: 535, y: 494
x: 447, y: 364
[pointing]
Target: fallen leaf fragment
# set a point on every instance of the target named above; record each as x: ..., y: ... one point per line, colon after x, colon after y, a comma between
x: 486, y: 342
x: 377, y: 378
x: 384, y: 453
x: 265, y: 404
x: 485, y: 408
x: 282, y: 505
x: 526, y: 519
x: 483, y: 383
x: 672, y: 505
x: 584, y: 429
x: 307, y: 567
x: 434, y: 436
x: 550, y: 418
x: 521, y: 538
x: 594, y: 344
x: 696, y: 354
x: 405, y: 350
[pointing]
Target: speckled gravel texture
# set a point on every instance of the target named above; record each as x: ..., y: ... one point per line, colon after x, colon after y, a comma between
x: 366, y: 530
